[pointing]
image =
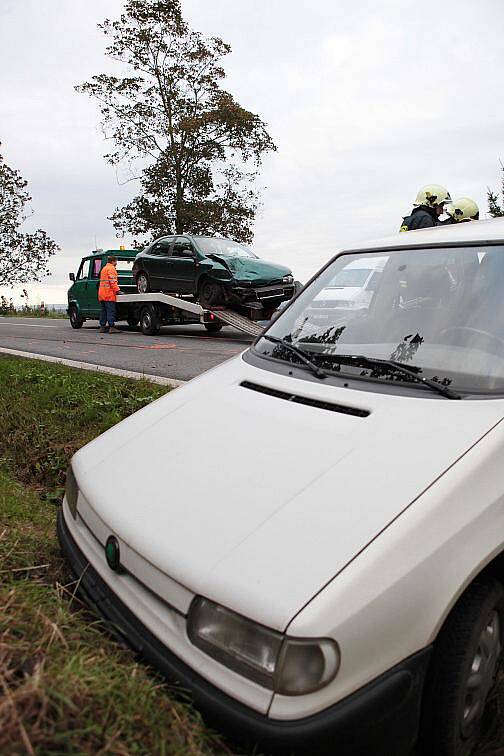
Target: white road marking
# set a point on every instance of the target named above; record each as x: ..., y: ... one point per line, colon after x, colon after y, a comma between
x: 95, y: 368
x: 28, y: 325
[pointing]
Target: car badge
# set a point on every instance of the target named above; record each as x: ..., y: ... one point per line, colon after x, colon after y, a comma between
x: 112, y: 553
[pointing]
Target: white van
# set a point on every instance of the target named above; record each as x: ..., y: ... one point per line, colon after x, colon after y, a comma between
x: 350, y: 289
x: 310, y: 537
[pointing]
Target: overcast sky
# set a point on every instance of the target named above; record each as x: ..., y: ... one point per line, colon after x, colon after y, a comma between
x: 366, y: 102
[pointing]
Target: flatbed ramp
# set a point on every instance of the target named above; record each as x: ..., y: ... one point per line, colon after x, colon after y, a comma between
x: 202, y: 314
x: 238, y: 321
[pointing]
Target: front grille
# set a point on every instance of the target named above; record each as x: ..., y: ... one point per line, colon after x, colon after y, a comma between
x: 296, y: 399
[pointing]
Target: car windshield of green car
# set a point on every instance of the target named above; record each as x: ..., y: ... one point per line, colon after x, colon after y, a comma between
x: 437, y: 311
x: 225, y: 247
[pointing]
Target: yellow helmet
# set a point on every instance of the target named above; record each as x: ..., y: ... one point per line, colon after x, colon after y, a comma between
x: 432, y: 195
x: 463, y: 209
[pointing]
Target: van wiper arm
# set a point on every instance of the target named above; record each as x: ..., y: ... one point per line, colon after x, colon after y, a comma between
x: 315, y: 369
x: 374, y: 362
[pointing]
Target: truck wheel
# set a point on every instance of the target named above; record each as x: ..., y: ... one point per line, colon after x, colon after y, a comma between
x: 133, y: 321
x: 75, y: 319
x: 142, y: 282
x: 149, y: 321
x: 210, y: 293
x: 213, y: 327
x: 463, y: 670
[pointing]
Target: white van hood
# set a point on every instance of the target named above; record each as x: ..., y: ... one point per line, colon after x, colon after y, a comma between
x: 257, y: 502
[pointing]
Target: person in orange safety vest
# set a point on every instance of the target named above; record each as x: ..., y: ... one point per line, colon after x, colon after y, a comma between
x: 107, y: 295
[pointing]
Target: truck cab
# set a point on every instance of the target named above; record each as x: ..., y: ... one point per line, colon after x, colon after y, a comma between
x: 83, y: 301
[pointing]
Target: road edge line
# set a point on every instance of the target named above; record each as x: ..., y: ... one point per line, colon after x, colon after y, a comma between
x: 174, y: 382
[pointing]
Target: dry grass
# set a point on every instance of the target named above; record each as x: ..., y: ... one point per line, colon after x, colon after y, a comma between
x: 66, y: 686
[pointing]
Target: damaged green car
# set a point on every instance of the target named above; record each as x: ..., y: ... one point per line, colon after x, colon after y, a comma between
x: 215, y: 271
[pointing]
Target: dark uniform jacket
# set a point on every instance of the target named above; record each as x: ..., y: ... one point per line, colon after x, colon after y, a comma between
x: 421, y: 217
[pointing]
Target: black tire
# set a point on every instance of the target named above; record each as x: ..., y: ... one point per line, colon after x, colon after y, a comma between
x: 210, y: 293
x: 76, y: 320
x: 142, y: 282
x: 149, y: 321
x: 213, y: 327
x: 468, y: 648
x: 133, y: 321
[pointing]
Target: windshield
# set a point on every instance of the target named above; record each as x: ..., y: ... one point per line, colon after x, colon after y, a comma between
x: 225, y: 247
x: 439, y: 312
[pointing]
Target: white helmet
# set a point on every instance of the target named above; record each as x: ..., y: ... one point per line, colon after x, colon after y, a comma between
x: 432, y: 195
x: 463, y: 209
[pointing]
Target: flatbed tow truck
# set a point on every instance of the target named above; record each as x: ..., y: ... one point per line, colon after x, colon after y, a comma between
x: 149, y: 311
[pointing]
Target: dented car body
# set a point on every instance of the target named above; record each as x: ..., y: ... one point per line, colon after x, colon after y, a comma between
x: 215, y: 271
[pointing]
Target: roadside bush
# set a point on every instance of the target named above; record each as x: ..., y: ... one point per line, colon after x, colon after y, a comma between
x: 6, y: 306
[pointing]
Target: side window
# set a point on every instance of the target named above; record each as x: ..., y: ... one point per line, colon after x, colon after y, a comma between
x: 162, y: 247
x: 83, y: 270
x: 96, y: 266
x: 182, y: 248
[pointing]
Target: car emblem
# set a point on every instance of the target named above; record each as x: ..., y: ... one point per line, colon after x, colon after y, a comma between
x: 112, y: 553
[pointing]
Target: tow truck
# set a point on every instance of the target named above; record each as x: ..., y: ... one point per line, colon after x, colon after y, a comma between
x: 149, y: 311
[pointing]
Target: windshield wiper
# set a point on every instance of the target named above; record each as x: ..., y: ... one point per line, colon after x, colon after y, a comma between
x: 315, y: 369
x: 397, y: 366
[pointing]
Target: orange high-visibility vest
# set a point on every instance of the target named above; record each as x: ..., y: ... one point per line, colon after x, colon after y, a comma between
x: 108, y: 284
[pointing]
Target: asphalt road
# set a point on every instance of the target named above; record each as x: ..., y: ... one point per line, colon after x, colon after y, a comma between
x: 180, y: 352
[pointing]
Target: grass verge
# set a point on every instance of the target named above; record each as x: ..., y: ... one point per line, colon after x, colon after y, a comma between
x: 9, y: 310
x: 66, y: 686
x: 48, y: 411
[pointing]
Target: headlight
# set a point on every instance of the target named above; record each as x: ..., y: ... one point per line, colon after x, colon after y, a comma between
x: 71, y: 492
x: 285, y: 665
x: 288, y: 279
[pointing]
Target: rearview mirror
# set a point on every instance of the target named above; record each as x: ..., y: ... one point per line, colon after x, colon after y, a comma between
x: 71, y: 276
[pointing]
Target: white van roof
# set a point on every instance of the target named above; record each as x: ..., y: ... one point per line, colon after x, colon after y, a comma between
x: 491, y: 230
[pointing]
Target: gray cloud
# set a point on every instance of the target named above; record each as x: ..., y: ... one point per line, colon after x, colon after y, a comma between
x: 366, y: 102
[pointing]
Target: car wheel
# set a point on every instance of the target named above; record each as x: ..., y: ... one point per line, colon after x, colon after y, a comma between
x: 463, y: 670
x: 75, y: 319
x: 142, y: 282
x: 132, y: 321
x: 213, y: 327
x: 210, y: 293
x: 149, y: 321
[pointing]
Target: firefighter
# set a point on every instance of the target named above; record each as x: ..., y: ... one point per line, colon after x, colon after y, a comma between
x: 462, y: 210
x: 427, y: 208
x: 107, y: 296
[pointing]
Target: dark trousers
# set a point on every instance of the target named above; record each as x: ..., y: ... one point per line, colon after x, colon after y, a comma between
x: 107, y: 313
